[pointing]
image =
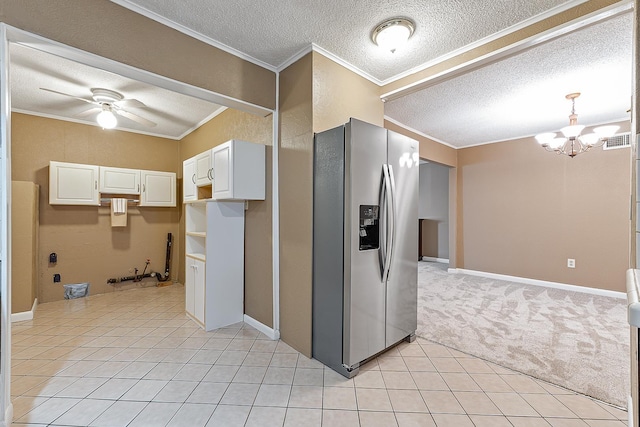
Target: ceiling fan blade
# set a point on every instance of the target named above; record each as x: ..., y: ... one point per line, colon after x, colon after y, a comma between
x: 88, y: 112
x: 70, y: 96
x: 130, y: 103
x: 134, y: 117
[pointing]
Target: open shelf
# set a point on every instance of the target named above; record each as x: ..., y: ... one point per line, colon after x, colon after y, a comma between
x: 202, y: 234
x: 196, y: 219
x: 195, y: 255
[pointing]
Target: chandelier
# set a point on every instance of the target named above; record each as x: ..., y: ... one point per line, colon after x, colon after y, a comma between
x: 572, y: 143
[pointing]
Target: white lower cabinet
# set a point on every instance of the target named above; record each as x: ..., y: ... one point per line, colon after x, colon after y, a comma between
x: 214, y: 280
x: 194, y: 289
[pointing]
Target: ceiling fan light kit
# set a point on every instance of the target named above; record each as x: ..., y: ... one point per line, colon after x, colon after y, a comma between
x: 109, y: 103
x: 106, y: 119
x: 393, y: 33
x: 572, y: 142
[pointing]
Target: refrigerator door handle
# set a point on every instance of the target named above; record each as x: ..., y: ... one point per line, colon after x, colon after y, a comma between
x: 382, y: 248
x: 392, y: 222
x: 388, y: 222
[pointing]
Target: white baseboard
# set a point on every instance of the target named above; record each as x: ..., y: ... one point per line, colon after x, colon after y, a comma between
x: 25, y: 315
x: 544, y: 283
x: 270, y: 332
x: 432, y: 259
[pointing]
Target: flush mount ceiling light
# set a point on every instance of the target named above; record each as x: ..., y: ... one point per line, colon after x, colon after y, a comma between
x: 573, y: 143
x: 393, y: 33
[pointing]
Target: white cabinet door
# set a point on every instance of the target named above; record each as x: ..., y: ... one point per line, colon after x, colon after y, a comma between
x: 189, y: 189
x: 238, y: 171
x: 199, y: 290
x: 222, y: 161
x: 158, y: 188
x: 189, y: 286
x: 225, y: 264
x: 119, y: 180
x: 203, y: 168
x: 73, y: 184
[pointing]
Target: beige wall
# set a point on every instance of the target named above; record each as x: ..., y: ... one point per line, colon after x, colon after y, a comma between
x: 339, y: 94
x: 88, y: 248
x: 24, y: 246
x: 429, y: 149
x: 523, y: 212
x: 111, y: 31
x: 258, y: 270
x: 315, y: 94
x: 295, y: 192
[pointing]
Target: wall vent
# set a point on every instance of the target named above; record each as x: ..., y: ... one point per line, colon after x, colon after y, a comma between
x: 618, y: 141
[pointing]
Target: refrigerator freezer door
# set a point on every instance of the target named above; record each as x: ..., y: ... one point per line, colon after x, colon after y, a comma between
x: 364, y: 291
x: 402, y: 288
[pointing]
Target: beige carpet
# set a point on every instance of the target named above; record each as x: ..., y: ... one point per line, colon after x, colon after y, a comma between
x: 575, y: 340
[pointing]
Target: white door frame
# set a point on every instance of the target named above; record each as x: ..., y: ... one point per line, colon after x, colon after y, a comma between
x: 9, y: 34
x: 6, y: 409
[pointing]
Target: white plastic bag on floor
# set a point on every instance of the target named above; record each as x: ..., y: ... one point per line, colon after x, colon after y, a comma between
x: 77, y: 290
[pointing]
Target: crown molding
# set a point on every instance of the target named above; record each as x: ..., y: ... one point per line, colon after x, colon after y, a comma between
x: 92, y: 123
x: 621, y: 6
x: 294, y: 58
x: 410, y: 129
x: 608, y: 122
x: 511, y: 49
x: 211, y: 116
x: 471, y: 46
x: 127, y: 4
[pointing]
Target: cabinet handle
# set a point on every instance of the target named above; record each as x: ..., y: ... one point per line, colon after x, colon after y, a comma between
x: 138, y: 188
x: 143, y: 188
x: 213, y: 174
x: 193, y: 178
x: 96, y: 185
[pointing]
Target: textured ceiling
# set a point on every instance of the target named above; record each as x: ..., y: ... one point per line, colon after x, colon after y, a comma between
x: 175, y: 114
x: 516, y: 97
x: 272, y: 31
x: 525, y: 95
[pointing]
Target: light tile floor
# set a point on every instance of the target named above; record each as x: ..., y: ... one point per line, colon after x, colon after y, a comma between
x: 132, y: 358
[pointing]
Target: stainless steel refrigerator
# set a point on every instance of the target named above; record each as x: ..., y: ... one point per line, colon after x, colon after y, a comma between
x: 365, y: 243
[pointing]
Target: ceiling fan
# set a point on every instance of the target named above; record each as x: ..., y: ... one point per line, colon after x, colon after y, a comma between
x: 108, y: 103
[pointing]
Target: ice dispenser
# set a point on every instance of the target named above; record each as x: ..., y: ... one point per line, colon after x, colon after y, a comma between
x: 369, y: 228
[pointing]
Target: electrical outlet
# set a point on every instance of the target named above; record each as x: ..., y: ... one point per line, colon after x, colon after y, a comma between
x: 571, y: 263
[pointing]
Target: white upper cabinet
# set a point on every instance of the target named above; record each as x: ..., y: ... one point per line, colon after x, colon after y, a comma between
x: 73, y: 184
x: 158, y: 188
x: 189, y: 189
x: 119, y: 180
x: 203, y: 169
x: 238, y: 171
